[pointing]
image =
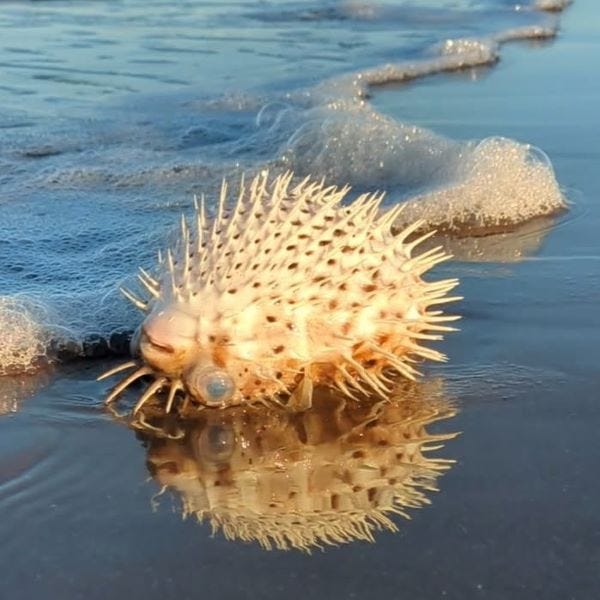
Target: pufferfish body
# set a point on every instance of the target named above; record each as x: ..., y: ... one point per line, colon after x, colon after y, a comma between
x: 284, y: 289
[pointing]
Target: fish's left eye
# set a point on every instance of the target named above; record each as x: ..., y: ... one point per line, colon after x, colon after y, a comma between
x: 211, y: 385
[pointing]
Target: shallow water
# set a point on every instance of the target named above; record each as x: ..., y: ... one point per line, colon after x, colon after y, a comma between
x: 515, y: 517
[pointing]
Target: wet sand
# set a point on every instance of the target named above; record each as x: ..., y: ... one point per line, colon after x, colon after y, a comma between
x: 516, y: 517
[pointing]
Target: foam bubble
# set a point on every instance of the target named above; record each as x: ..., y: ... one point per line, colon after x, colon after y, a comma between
x: 452, y: 55
x: 354, y: 9
x: 25, y: 338
x: 357, y: 145
x: 529, y: 32
x: 499, y: 184
x: 459, y: 187
x: 552, y: 5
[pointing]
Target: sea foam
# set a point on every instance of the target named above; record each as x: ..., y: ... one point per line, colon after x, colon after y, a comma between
x: 25, y: 336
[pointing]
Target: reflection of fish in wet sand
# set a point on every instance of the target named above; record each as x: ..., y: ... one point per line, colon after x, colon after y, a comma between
x: 326, y: 476
x: 285, y: 290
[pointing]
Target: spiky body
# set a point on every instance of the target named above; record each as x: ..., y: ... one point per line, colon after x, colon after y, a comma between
x: 289, y: 288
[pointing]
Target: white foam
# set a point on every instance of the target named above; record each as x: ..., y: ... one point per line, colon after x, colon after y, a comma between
x: 451, y: 55
x: 357, y: 145
x: 499, y: 184
x: 358, y: 10
x: 456, y: 186
x: 552, y: 5
x: 25, y: 338
x: 528, y: 32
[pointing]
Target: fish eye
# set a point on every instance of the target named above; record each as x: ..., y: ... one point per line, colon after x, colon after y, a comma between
x: 211, y: 385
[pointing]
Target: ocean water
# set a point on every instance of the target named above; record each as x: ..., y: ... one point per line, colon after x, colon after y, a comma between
x: 116, y: 114
x: 481, y: 115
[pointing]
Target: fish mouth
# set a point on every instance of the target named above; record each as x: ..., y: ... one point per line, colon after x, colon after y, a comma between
x: 161, y: 346
x: 164, y: 358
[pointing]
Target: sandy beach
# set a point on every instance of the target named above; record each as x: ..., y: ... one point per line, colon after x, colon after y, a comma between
x: 515, y: 518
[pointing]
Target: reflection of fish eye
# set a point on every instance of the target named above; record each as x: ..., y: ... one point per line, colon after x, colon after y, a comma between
x: 216, y: 443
